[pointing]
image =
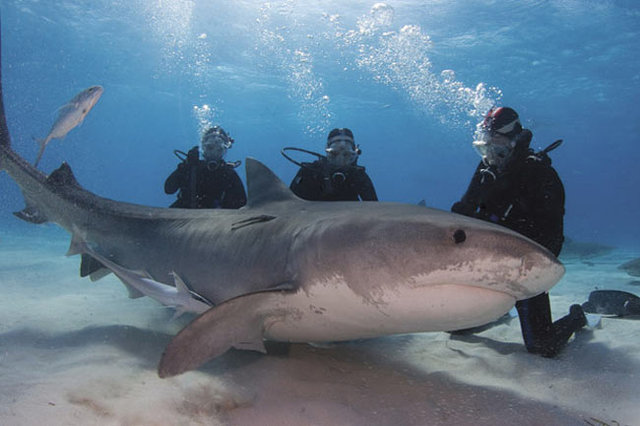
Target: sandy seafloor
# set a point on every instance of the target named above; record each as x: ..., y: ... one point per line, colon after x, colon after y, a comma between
x: 74, y: 351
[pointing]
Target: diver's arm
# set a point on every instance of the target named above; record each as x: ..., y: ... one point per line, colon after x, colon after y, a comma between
x: 468, y: 204
x: 235, y: 195
x: 180, y: 177
x: 305, y: 184
x: 176, y: 180
x: 366, y: 191
x: 545, y: 208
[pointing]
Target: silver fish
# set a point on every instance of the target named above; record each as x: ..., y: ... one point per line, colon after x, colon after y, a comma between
x: 70, y: 116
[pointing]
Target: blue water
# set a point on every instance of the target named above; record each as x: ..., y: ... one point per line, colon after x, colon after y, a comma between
x: 410, y: 78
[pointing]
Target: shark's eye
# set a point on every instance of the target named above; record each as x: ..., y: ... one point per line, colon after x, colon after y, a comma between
x: 459, y: 236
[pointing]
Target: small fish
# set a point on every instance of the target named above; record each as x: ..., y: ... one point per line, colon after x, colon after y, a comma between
x: 71, y: 115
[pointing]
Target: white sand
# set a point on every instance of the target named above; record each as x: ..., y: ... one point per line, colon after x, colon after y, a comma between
x: 77, y: 352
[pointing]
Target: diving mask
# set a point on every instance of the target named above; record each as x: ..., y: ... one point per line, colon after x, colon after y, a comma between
x: 340, y: 153
x: 494, y: 148
x: 214, y: 147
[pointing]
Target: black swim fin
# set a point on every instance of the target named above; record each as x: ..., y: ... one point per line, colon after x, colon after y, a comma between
x: 612, y: 302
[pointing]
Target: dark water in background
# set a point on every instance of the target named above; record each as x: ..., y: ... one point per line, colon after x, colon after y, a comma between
x: 403, y: 76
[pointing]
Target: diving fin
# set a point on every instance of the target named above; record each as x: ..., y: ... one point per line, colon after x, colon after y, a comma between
x: 612, y: 302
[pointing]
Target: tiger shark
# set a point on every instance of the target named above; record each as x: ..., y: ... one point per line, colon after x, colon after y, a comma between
x: 285, y: 269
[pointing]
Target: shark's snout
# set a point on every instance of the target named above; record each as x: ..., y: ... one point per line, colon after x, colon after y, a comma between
x: 495, y: 258
x: 540, y: 271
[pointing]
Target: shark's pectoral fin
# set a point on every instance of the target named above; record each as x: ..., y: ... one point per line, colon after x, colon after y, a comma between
x: 237, y: 323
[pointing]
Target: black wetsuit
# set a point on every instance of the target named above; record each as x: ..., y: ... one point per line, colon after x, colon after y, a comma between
x: 320, y: 181
x: 205, y: 185
x: 527, y: 197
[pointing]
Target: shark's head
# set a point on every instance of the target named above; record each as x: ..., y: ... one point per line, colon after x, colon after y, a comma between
x: 463, y: 270
x: 453, y: 249
x: 404, y: 243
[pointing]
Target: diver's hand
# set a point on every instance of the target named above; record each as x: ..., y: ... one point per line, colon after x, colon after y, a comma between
x: 193, y: 156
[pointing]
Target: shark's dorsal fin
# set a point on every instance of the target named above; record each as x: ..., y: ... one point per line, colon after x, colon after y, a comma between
x: 263, y: 186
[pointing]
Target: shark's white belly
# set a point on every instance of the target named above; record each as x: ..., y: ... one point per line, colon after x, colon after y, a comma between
x: 331, y: 311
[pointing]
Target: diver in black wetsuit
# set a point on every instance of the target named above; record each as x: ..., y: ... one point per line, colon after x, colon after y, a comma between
x: 517, y: 188
x: 336, y: 177
x: 209, y: 183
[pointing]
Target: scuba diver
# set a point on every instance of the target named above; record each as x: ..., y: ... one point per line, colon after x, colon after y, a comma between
x: 209, y: 183
x: 517, y: 188
x: 336, y: 177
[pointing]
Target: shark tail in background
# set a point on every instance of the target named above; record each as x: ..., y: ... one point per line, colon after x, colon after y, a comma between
x: 8, y: 158
x: 5, y: 139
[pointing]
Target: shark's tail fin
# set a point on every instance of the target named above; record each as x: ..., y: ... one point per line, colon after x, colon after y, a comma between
x: 5, y: 140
